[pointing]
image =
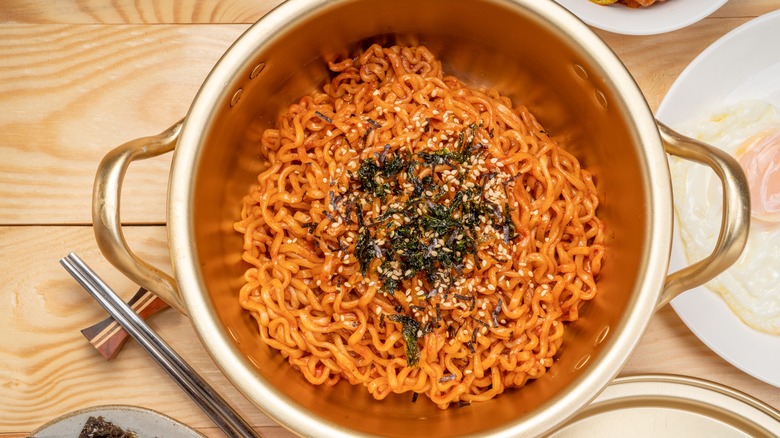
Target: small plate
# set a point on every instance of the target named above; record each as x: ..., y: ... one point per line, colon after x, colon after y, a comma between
x: 144, y: 422
x: 658, y: 18
x: 742, y: 65
x: 649, y: 406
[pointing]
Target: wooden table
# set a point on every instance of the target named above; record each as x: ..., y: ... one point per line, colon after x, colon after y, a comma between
x: 79, y: 77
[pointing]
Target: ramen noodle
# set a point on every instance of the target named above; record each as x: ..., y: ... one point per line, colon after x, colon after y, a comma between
x: 412, y: 234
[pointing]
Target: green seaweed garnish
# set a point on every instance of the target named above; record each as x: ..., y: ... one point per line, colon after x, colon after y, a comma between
x: 410, y: 330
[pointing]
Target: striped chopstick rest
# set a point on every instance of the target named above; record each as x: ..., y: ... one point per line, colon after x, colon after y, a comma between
x: 108, y: 337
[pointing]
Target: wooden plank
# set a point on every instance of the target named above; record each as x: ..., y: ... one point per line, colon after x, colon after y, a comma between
x: 134, y: 12
x: 50, y: 369
x: 71, y: 93
x: 669, y: 347
x: 746, y: 8
x: 671, y: 53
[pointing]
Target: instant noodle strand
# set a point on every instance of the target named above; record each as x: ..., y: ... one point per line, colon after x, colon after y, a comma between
x: 412, y: 234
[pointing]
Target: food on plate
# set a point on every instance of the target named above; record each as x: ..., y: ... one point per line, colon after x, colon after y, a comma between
x: 759, y: 156
x: 629, y: 3
x: 412, y: 234
x: 750, y: 131
x: 98, y: 427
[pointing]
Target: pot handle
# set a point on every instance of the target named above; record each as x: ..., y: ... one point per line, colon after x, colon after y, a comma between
x: 105, y: 214
x: 735, y: 222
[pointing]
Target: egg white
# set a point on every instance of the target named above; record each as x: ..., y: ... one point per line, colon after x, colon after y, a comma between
x: 751, y: 286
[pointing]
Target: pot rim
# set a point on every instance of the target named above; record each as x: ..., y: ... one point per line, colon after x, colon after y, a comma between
x: 240, y: 371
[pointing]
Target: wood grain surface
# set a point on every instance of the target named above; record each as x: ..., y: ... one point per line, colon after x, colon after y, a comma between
x: 78, y: 78
x: 70, y: 93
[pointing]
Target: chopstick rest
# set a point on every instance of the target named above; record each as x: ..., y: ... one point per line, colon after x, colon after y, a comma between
x: 108, y: 337
x: 196, y: 388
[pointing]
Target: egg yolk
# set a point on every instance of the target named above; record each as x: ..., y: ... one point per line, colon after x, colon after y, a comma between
x: 759, y: 156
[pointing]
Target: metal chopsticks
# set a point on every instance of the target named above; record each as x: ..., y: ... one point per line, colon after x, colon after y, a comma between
x: 201, y: 392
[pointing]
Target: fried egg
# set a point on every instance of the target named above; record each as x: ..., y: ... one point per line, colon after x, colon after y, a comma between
x: 749, y: 131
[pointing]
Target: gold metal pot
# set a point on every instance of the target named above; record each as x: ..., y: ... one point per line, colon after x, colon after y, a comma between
x: 532, y: 50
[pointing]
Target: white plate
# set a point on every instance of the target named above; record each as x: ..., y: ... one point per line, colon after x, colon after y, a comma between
x: 658, y: 18
x: 744, y: 64
x: 144, y: 422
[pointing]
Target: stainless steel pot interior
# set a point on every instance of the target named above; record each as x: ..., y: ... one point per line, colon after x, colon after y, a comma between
x: 531, y: 50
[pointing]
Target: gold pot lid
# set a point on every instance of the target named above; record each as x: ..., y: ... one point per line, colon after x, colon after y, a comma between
x: 670, y: 406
